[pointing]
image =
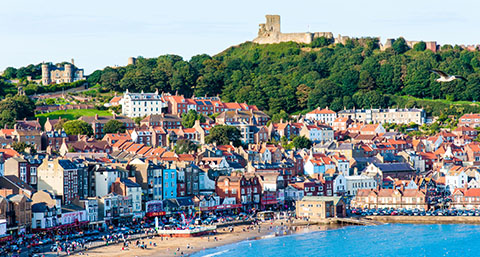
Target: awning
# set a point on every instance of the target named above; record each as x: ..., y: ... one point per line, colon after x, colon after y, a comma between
x: 155, y: 214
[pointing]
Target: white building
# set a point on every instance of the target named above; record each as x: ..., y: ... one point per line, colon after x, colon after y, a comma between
x: 91, y: 207
x: 293, y: 194
x: 142, y: 104
x: 339, y: 184
x: 456, y: 178
x: 104, y: 178
x: 390, y: 115
x: 359, y: 182
x: 134, y: 191
x: 326, y: 115
x: 44, y: 216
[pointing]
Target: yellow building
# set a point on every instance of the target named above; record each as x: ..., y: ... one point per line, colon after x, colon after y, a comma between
x: 320, y: 207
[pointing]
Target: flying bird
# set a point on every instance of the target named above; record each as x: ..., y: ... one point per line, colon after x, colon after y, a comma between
x: 444, y: 77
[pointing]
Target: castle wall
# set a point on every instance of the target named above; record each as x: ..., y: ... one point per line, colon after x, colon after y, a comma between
x: 285, y: 37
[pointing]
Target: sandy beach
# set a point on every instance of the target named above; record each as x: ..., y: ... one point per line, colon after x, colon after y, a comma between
x: 178, y: 246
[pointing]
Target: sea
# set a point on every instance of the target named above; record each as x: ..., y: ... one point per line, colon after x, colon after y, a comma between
x: 381, y: 240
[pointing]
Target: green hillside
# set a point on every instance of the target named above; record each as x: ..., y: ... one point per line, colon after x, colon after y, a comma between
x: 294, y: 77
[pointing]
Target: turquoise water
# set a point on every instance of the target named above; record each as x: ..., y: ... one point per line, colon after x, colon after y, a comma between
x: 383, y: 240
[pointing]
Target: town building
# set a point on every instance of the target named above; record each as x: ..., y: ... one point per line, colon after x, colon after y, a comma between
x: 253, y: 117
x: 470, y: 120
x: 356, y: 182
x: 169, y: 183
x: 325, y: 116
x: 165, y: 121
x: 245, y: 189
x: 321, y: 207
x: 127, y: 187
x: 98, y: 123
x: 150, y: 177
x: 143, y: 104
x: 397, y: 116
x: 60, y: 177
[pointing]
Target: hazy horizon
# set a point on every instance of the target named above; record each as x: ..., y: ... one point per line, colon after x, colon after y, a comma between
x: 105, y: 33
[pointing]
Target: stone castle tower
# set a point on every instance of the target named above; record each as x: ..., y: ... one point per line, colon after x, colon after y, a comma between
x: 58, y: 74
x: 271, y: 26
x: 131, y: 61
x: 46, y: 74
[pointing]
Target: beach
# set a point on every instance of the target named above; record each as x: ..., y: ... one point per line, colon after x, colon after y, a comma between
x: 185, y: 246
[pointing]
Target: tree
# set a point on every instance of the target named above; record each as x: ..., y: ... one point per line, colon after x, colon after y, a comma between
x: 321, y: 42
x: 281, y: 116
x: 10, y: 73
x: 19, y: 146
x: 185, y: 146
x: 400, y: 46
x: 114, y: 126
x: 223, y: 135
x: 138, y: 120
x: 189, y: 118
x: 420, y: 46
x: 7, y: 118
x: 16, y: 108
x: 59, y: 124
x: 302, y: 95
x: 77, y: 127
x: 302, y: 142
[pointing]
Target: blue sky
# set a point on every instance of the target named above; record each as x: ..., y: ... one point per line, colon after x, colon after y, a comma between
x: 104, y: 32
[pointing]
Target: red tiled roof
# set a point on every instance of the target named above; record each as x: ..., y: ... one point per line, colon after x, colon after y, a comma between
x: 116, y: 99
x: 8, y: 152
x: 322, y: 111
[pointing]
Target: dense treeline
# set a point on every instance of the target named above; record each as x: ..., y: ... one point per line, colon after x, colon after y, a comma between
x: 295, y: 77
x: 35, y: 71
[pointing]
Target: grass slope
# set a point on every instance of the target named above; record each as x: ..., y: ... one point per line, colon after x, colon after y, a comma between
x: 71, y: 114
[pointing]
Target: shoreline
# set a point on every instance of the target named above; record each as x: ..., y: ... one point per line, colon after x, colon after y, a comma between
x: 177, y: 246
x: 188, y: 246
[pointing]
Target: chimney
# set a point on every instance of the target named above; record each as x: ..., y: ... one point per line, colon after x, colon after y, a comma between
x: 114, y: 116
x: 96, y: 116
x: 25, y: 119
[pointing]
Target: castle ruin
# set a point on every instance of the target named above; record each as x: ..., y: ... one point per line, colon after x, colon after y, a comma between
x: 269, y: 33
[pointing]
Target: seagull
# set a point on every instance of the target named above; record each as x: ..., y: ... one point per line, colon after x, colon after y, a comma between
x: 444, y: 77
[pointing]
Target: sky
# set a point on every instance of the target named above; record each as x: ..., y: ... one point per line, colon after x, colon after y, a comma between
x: 104, y: 33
